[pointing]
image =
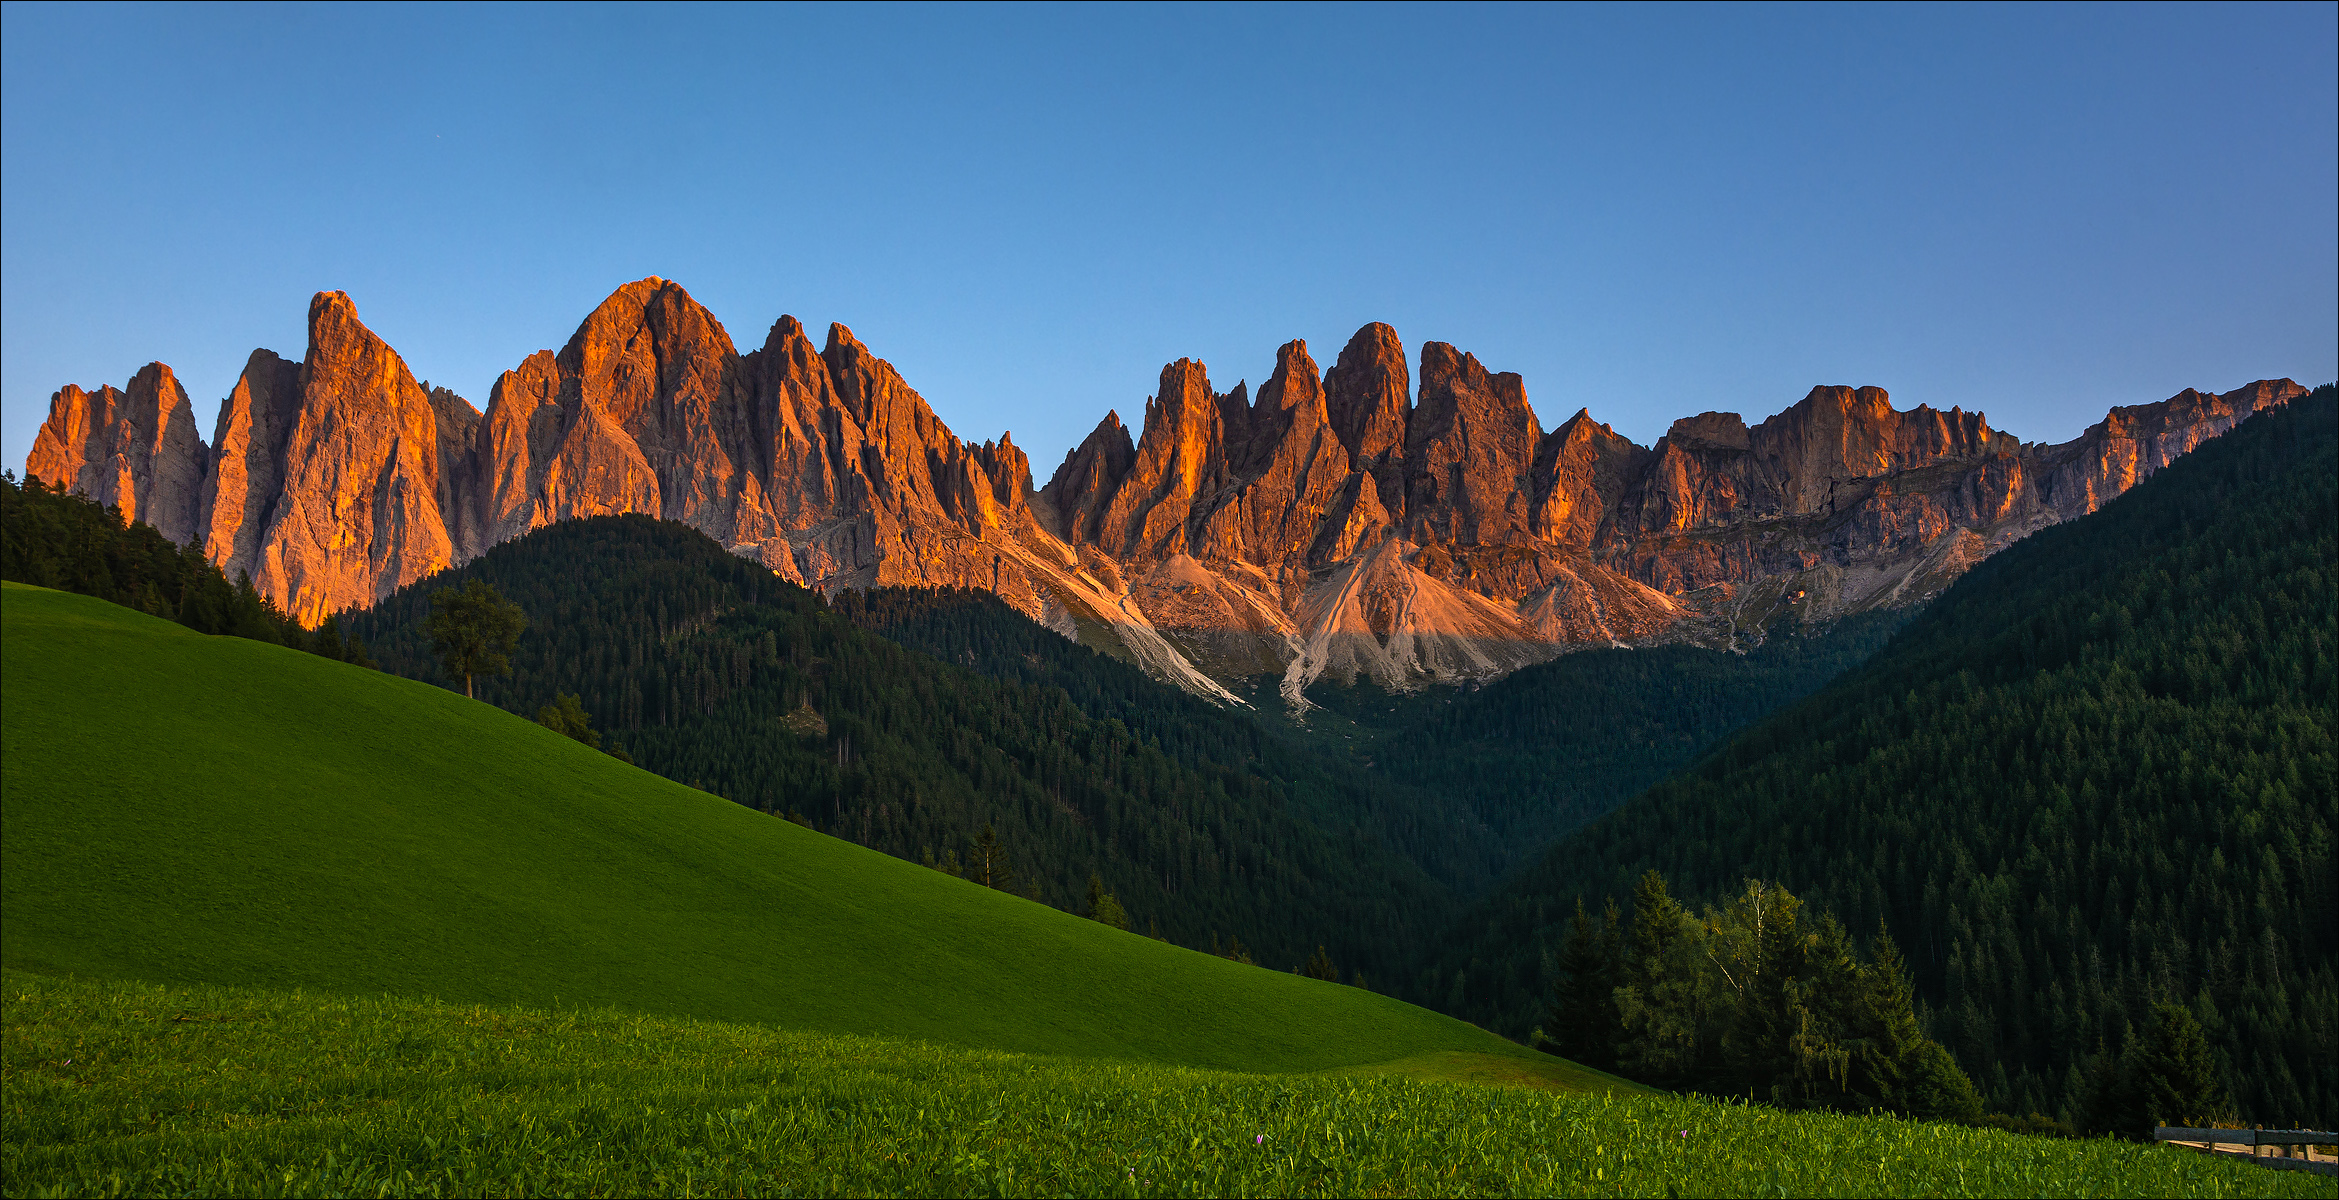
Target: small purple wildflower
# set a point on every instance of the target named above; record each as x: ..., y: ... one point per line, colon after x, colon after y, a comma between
x: 1260, y: 1140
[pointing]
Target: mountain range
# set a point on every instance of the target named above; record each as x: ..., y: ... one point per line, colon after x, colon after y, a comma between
x: 1348, y: 522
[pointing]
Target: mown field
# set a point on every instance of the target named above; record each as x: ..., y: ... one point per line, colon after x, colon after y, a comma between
x: 130, y: 1089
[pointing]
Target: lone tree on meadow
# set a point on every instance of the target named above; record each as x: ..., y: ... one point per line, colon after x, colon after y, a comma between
x: 473, y: 630
x: 988, y: 864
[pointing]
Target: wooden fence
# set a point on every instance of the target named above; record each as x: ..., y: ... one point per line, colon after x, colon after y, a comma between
x: 2291, y: 1143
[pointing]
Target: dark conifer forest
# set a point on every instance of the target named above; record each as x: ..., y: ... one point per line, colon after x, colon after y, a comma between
x: 1461, y: 782
x: 2093, y: 780
x: 1548, y: 747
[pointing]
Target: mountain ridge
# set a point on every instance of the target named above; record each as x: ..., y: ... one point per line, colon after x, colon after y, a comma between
x: 1340, y: 522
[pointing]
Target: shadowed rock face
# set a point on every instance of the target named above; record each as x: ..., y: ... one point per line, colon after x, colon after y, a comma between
x: 1335, y: 524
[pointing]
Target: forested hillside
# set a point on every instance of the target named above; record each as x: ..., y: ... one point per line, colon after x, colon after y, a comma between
x: 1462, y: 781
x: 711, y: 671
x: 1544, y: 749
x: 2097, y: 774
x: 1439, y: 829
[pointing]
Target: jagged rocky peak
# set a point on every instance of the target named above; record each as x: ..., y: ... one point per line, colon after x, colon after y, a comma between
x: 1009, y: 469
x: 1328, y: 525
x: 1283, y: 476
x: 135, y: 448
x: 1073, y: 502
x: 1469, y: 453
x: 1178, y: 452
x: 1581, y: 471
x: 370, y: 474
x: 1368, y: 397
x: 650, y: 357
x: 1368, y: 394
x: 1836, y: 434
x: 1709, y: 431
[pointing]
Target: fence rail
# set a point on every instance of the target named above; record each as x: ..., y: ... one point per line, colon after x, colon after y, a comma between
x: 2292, y: 1143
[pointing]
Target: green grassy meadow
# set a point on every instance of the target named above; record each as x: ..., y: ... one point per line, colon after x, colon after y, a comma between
x: 123, y: 1089
x: 190, y: 809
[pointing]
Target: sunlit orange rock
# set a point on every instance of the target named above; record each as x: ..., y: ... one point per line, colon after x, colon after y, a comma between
x: 1334, y: 525
x: 136, y: 449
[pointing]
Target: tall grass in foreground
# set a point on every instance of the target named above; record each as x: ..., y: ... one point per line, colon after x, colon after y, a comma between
x: 113, y: 1088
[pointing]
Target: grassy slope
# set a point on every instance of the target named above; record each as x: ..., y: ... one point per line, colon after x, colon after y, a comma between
x: 114, y: 1089
x: 189, y: 809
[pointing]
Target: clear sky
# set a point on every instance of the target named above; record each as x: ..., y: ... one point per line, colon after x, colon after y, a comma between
x: 2034, y: 211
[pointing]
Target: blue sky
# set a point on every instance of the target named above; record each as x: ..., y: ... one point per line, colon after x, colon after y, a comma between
x: 2034, y: 211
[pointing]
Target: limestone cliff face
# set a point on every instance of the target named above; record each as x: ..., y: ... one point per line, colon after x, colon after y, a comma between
x: 1368, y: 395
x: 1073, y: 503
x: 248, y: 449
x: 1580, y: 474
x: 1181, y: 452
x: 135, y: 448
x: 1282, y: 475
x: 640, y: 412
x: 1468, y: 453
x: 1336, y: 524
x: 372, y: 469
x: 822, y: 463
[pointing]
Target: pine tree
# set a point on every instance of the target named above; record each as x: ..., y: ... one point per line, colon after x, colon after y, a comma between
x: 327, y: 643
x: 1771, y: 1025
x: 2177, y: 1071
x: 988, y: 863
x: 1892, y: 1036
x: 2110, y: 1103
x: 1937, y: 1089
x: 1319, y: 966
x: 1656, y: 926
x: 1102, y: 908
x: 1582, y: 1019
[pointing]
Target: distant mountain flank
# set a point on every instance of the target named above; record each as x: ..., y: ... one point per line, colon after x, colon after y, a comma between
x: 1339, y: 523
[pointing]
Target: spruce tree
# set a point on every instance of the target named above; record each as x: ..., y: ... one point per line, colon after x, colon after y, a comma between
x: 1583, y: 1018
x: 1892, y: 1036
x: 2177, y: 1071
x: 1102, y: 908
x: 327, y: 643
x: 1767, y: 1040
x: 2110, y: 1103
x: 1938, y: 1090
x: 988, y: 864
x: 1656, y: 925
